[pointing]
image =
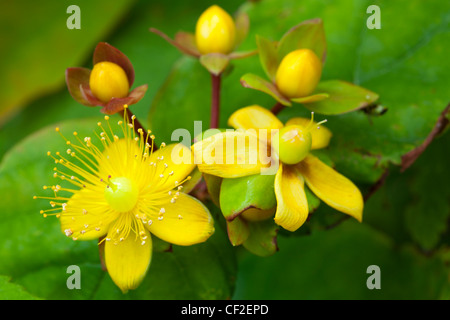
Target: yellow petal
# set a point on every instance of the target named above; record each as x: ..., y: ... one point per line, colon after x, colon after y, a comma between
x: 183, y: 222
x: 292, y: 206
x: 320, y: 137
x: 232, y: 154
x: 254, y: 117
x: 127, y: 261
x: 174, y: 163
x: 333, y: 188
x: 86, y: 219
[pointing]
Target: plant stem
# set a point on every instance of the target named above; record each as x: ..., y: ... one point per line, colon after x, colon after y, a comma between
x: 277, y: 108
x: 215, y: 100
x: 137, y: 126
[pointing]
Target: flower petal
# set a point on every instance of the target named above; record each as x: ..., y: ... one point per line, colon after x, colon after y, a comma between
x: 292, y: 206
x: 138, y: 93
x: 174, y: 163
x: 74, y: 78
x: 254, y: 117
x: 183, y: 222
x: 115, y: 105
x: 331, y: 187
x: 182, y: 42
x: 87, y: 95
x: 320, y: 135
x: 186, y: 40
x: 106, y: 52
x: 127, y: 261
x: 232, y: 154
x: 84, y: 219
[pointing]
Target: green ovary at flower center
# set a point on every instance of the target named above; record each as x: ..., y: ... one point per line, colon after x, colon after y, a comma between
x: 121, y: 194
x: 294, y: 143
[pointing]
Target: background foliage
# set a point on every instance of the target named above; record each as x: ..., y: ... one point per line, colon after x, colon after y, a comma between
x: 406, y: 221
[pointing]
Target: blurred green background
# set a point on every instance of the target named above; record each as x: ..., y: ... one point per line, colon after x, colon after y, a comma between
x: 405, y: 230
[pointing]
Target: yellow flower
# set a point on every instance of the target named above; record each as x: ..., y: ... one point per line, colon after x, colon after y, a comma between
x: 123, y: 192
x: 297, y: 166
x: 215, y: 31
x: 298, y: 73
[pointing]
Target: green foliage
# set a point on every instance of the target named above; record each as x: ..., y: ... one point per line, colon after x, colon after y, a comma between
x: 239, y: 194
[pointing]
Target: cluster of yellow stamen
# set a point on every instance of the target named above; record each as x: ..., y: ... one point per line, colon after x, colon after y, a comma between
x: 119, y: 187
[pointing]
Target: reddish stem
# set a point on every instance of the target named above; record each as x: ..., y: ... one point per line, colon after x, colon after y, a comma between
x: 215, y: 101
x: 277, y: 108
x: 138, y: 125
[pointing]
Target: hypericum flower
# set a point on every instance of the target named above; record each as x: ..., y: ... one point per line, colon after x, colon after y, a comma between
x: 108, y: 84
x: 293, y: 66
x: 122, y: 192
x: 298, y: 73
x: 216, y: 37
x: 291, y: 144
x: 215, y: 31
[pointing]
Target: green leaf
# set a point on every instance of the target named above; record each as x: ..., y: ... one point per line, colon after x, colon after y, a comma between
x: 11, y: 291
x: 213, y: 184
x: 268, y: 56
x: 333, y: 264
x: 262, y: 240
x: 309, y: 34
x: 313, y: 201
x: 343, y: 97
x: 177, y: 103
x: 312, y: 98
x: 253, y: 81
x: 238, y: 231
x: 239, y: 194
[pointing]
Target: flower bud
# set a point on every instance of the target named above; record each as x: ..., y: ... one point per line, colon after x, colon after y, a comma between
x: 298, y: 73
x: 108, y: 80
x: 215, y: 31
x: 294, y: 144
